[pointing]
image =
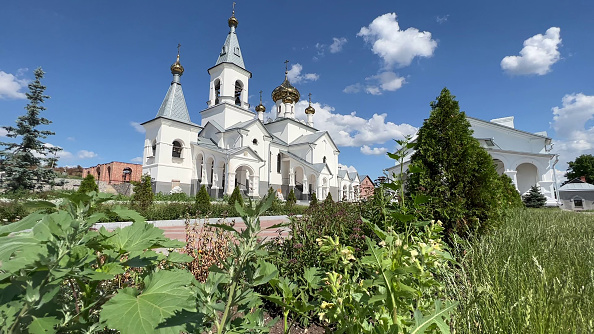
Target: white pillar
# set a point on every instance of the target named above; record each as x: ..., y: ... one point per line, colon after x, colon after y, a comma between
x: 254, y: 185
x: 512, y: 175
x: 261, y: 117
x: 230, y: 180
x: 310, y: 120
x: 305, y: 186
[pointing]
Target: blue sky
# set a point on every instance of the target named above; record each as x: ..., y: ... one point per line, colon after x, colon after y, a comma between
x: 372, y: 67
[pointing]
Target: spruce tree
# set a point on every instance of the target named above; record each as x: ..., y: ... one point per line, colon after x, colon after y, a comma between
x: 28, y: 165
x: 329, y: 199
x: 291, y: 199
x: 452, y: 168
x: 88, y: 184
x: 143, y: 196
x: 236, y: 197
x: 203, y: 200
x: 534, y: 198
x: 314, y: 200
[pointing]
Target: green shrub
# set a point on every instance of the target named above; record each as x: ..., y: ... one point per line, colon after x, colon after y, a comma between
x: 88, y: 184
x: 236, y: 197
x: 11, y: 212
x: 510, y: 196
x: 143, y: 196
x: 534, y: 198
x: 314, y: 200
x: 291, y: 199
x: 175, y: 197
x: 203, y: 200
x: 329, y: 198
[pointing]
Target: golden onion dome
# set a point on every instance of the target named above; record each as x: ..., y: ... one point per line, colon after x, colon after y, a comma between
x: 310, y: 110
x: 177, y: 68
x: 233, y: 20
x: 260, y: 108
x: 286, y: 92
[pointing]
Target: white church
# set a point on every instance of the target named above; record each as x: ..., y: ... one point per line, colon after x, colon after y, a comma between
x: 523, y: 156
x: 233, y: 146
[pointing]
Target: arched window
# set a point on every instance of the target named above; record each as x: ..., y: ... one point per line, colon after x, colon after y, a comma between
x: 278, y: 163
x: 324, y: 160
x: 127, y: 174
x: 217, y: 91
x: 108, y: 174
x: 238, y: 90
x: 154, y: 147
x: 255, y: 141
x: 176, y: 150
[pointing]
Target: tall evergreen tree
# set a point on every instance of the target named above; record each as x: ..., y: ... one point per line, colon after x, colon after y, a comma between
x: 88, y: 184
x: 453, y: 170
x: 534, y: 198
x: 28, y: 165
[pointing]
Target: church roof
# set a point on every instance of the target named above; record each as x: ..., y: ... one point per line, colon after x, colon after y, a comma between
x: 342, y: 173
x: 174, y: 105
x: 231, y: 53
x: 353, y: 175
x: 319, y: 167
x: 310, y: 138
x: 577, y: 187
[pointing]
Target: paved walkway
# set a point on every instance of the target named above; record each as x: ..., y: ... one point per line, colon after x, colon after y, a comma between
x: 176, y: 229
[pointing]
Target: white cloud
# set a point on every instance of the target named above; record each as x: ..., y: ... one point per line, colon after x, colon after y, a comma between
x: 3, y: 132
x: 395, y: 46
x: 62, y: 154
x: 572, y: 135
x: 350, y: 169
x: 373, y: 151
x: 138, y: 127
x: 377, y: 84
x: 538, y: 55
x: 352, y: 130
x: 137, y: 159
x: 442, y: 19
x: 337, y: 44
x: 11, y: 85
x: 295, y: 75
x: 71, y: 138
x: 84, y: 154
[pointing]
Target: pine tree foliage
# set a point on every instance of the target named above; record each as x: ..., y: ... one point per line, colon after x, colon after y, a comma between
x: 581, y: 166
x: 88, y: 184
x: 203, y: 199
x: 291, y: 198
x: 28, y: 165
x: 534, y: 198
x: 329, y: 198
x: 314, y: 200
x: 143, y: 196
x: 453, y: 170
x: 236, y: 197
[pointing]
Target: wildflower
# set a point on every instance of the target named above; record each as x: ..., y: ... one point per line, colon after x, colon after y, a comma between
x: 382, y: 243
x: 413, y: 253
x: 326, y: 305
x: 298, y: 245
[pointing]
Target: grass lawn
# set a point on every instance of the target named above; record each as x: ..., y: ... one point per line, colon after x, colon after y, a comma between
x: 534, y: 274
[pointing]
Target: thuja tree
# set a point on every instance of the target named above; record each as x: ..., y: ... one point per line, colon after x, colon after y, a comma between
x: 453, y: 170
x: 203, y: 200
x: 88, y: 184
x: 28, y: 164
x: 236, y: 197
x: 143, y: 196
x: 534, y: 198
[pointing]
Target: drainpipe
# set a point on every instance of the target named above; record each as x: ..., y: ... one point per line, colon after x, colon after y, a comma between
x: 555, y: 179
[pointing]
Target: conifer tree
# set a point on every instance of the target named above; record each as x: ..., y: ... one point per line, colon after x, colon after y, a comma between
x: 235, y: 197
x: 28, y: 165
x: 88, y: 184
x: 203, y: 199
x: 451, y: 167
x: 314, y: 200
x: 143, y: 196
x: 329, y: 199
x: 534, y: 198
x: 291, y: 199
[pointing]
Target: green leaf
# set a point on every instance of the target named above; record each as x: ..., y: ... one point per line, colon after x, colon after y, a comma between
x: 43, y: 325
x: 23, y: 224
x: 137, y: 237
x: 313, y: 277
x: 165, y: 293
x: 421, y: 199
x: 224, y: 227
x: 129, y: 214
x: 422, y: 323
x: 176, y: 257
x: 40, y: 205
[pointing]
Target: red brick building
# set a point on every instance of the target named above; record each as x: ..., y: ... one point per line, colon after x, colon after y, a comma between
x: 367, y: 187
x: 115, y: 172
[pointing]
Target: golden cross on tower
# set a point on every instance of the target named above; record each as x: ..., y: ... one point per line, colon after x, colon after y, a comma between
x: 178, y: 46
x: 233, y: 13
x: 260, y: 97
x: 309, y: 98
x: 286, y: 66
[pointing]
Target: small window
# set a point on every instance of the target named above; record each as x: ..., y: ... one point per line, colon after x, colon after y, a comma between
x: 324, y: 160
x: 236, y: 51
x: 255, y: 141
x: 176, y: 150
x: 578, y: 203
x: 223, y: 50
x: 154, y: 147
x: 278, y: 163
x: 217, y: 91
x: 238, y: 90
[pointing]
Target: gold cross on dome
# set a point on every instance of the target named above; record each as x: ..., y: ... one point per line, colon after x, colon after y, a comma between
x: 286, y: 66
x: 233, y: 8
x: 178, y: 46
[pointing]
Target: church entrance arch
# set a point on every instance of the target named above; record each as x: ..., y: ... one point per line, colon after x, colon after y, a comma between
x: 527, y: 175
x: 300, y: 181
x: 311, y: 183
x: 244, y: 179
x: 343, y: 195
x: 209, y: 166
x: 324, y: 188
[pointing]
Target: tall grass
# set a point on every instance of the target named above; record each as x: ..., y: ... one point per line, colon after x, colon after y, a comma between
x: 535, y: 274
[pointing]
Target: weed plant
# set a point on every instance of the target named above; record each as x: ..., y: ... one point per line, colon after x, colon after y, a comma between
x: 535, y: 274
